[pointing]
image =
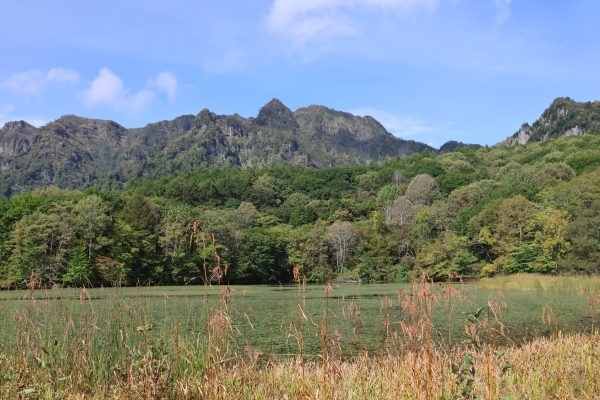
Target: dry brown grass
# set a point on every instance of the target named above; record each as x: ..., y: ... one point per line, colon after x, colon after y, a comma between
x: 564, y: 367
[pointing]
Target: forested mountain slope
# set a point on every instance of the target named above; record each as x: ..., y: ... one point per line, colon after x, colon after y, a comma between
x: 473, y: 212
x: 74, y: 152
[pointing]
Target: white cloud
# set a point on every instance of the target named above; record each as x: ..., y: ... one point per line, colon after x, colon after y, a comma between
x: 305, y: 20
x: 33, y: 81
x: 503, y: 10
x: 231, y: 62
x: 107, y: 89
x: 399, y: 125
x: 6, y: 116
x: 167, y: 82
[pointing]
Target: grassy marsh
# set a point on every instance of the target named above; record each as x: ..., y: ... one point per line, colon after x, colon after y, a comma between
x: 423, y: 340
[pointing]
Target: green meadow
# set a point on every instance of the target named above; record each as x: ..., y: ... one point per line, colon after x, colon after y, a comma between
x: 260, y: 316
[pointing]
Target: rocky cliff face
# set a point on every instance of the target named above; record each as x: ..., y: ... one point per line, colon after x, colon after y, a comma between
x: 563, y: 118
x: 159, y: 133
x: 73, y: 152
x: 16, y: 138
x: 338, y: 138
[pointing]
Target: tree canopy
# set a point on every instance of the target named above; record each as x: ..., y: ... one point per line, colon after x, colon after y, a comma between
x: 529, y: 208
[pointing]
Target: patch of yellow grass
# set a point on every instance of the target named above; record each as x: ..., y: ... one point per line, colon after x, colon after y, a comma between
x: 572, y: 284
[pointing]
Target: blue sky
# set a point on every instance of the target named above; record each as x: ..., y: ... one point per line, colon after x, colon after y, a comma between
x: 429, y: 70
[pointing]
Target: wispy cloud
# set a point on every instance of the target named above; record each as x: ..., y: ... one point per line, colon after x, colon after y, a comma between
x: 107, y: 89
x: 399, y: 125
x: 231, y: 62
x: 6, y: 115
x: 33, y: 81
x: 304, y: 20
x: 502, y: 11
x: 167, y: 82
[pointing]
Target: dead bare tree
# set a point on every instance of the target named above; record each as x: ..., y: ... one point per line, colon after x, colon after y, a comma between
x: 404, y: 211
x: 342, y: 237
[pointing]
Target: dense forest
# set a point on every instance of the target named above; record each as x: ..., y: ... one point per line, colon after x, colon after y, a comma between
x: 473, y: 212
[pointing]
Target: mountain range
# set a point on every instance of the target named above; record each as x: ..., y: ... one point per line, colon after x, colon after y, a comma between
x: 74, y: 152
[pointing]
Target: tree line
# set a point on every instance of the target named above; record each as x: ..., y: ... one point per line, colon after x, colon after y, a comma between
x: 501, y: 210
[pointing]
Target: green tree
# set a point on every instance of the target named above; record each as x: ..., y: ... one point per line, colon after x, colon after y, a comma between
x: 553, y: 174
x: 92, y: 222
x: 303, y: 215
x: 514, y: 217
x: 141, y: 211
x: 246, y: 214
x: 175, y: 229
x: 553, y: 235
x: 264, y: 259
x: 584, y: 235
x: 41, y: 248
x: 450, y: 182
x: 131, y: 258
x: 298, y: 199
x: 80, y: 268
x: 308, y: 247
x: 385, y: 201
x: 450, y: 254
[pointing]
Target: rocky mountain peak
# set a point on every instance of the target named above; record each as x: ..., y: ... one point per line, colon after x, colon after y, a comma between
x: 204, y: 119
x: 71, y: 119
x: 70, y: 126
x: 15, y: 138
x: 275, y: 114
x: 18, y: 125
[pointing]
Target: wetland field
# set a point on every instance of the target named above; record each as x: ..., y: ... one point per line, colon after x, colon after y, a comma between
x: 224, y: 341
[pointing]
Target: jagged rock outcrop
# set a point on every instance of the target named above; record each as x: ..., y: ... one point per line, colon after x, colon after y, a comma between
x: 523, y: 135
x: 574, y: 131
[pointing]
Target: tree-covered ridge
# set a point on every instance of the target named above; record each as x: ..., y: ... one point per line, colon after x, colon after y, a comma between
x: 564, y: 117
x: 74, y: 152
x: 531, y: 208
